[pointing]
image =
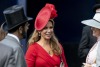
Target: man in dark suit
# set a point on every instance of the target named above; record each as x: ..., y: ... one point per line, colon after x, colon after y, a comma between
x: 16, y: 25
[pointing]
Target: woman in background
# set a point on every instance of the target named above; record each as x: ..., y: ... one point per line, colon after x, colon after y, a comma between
x: 93, y: 55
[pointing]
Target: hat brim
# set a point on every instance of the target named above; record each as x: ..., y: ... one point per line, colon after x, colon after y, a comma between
x: 29, y: 18
x: 5, y: 28
x: 42, y: 18
x: 92, y: 23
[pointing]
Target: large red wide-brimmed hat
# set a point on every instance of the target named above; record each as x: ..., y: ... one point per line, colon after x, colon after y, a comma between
x: 46, y: 13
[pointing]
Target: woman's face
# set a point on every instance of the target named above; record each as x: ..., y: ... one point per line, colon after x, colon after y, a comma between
x: 96, y: 32
x: 47, y: 31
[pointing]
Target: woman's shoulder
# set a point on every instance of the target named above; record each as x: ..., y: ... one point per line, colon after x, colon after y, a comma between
x: 32, y: 50
x: 33, y: 46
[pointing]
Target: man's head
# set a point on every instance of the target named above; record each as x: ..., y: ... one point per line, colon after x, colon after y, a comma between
x: 15, y: 21
x: 21, y: 30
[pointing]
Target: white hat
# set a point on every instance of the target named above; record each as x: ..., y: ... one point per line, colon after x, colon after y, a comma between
x: 95, y: 22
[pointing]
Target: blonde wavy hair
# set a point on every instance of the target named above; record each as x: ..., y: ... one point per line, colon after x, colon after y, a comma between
x: 55, y: 45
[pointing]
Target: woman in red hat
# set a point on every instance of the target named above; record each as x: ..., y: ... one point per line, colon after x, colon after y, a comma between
x: 44, y: 49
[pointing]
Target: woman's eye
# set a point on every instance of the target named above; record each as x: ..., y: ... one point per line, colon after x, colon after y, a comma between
x: 51, y: 27
x: 45, y: 28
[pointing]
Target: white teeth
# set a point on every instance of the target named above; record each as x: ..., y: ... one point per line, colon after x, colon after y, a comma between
x: 47, y: 34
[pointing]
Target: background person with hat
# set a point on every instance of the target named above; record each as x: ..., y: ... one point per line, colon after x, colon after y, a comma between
x: 16, y: 25
x: 87, y: 39
x: 98, y: 50
x: 44, y: 49
x: 92, y: 56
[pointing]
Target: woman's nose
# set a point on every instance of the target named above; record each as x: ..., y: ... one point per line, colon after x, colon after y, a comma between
x: 48, y: 30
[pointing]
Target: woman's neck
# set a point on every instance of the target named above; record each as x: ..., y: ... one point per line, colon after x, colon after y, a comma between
x: 44, y: 42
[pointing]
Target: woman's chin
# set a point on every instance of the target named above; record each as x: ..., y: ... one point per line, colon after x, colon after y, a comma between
x: 48, y: 38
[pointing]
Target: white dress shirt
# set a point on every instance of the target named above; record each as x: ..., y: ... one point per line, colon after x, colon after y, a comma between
x: 12, y: 35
